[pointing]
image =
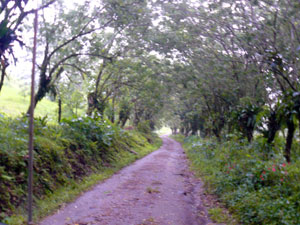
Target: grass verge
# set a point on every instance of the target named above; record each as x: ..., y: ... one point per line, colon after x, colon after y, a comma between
x: 253, y: 180
x: 217, y: 212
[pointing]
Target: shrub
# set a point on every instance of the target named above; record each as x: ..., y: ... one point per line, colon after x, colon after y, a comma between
x: 144, y: 128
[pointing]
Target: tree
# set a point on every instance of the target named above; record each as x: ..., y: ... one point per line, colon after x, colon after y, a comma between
x: 63, y: 42
x: 13, y: 14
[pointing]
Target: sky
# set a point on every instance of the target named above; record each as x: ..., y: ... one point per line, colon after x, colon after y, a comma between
x: 22, y: 70
x: 23, y: 67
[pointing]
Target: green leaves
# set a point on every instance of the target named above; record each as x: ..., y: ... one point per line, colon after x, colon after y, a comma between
x: 8, y: 178
x: 96, y: 130
x: 257, y: 191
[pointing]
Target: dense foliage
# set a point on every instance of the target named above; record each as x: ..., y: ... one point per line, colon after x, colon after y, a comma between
x: 237, y: 85
x: 238, y: 70
x: 257, y: 190
x: 69, y: 151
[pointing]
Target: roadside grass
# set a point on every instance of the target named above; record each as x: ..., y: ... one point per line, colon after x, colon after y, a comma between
x: 219, y: 216
x: 180, y: 138
x: 68, y: 193
x: 14, y: 104
x: 255, y: 187
x: 216, y: 213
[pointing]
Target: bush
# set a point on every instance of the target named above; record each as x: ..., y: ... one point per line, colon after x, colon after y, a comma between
x: 144, y: 128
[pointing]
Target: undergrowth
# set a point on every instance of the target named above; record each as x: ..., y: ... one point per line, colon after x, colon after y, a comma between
x: 68, y: 159
x: 253, y: 181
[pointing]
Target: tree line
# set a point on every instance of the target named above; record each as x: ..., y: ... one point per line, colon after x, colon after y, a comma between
x: 93, y: 57
x: 216, y: 68
x: 237, y: 70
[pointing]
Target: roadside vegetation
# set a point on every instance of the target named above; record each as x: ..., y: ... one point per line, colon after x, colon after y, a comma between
x: 236, y: 99
x: 65, y: 155
x: 255, y: 188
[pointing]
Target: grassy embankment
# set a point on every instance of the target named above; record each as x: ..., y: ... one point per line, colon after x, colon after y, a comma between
x: 258, y: 187
x: 13, y: 103
x: 69, y: 158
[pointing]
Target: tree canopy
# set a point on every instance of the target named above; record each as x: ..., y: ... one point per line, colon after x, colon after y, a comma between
x: 202, y: 67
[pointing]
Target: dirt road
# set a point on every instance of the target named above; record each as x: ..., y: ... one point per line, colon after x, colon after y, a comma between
x: 157, y: 189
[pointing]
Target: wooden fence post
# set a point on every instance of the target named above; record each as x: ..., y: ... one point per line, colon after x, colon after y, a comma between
x: 31, y: 123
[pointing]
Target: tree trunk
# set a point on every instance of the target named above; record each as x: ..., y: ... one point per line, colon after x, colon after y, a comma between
x: 2, y: 74
x: 273, y: 127
x: 124, y: 115
x: 289, y: 139
x: 101, y: 108
x: 137, y: 116
x: 187, y: 131
x: 44, y: 87
x: 92, y: 101
x: 152, y: 125
x: 59, y: 110
x: 194, y: 129
x: 298, y: 115
x: 250, y: 135
x: 124, y: 122
x: 113, y: 110
x: 217, y: 134
x: 229, y: 128
x: 195, y: 124
x: 217, y: 130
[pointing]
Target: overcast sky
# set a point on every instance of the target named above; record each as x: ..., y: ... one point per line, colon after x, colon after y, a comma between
x: 22, y: 70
